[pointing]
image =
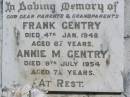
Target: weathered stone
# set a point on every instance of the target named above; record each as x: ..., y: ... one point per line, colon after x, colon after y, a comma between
x: 97, y: 68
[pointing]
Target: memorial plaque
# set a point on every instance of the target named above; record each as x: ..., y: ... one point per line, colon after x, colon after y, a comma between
x: 64, y: 45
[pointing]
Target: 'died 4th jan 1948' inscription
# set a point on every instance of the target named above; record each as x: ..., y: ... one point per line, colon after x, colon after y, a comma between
x: 64, y: 45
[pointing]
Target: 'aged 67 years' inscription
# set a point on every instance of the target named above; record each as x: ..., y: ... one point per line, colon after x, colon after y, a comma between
x: 64, y: 45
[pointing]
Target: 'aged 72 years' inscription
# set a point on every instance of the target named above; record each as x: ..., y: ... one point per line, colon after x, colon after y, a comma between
x: 64, y: 45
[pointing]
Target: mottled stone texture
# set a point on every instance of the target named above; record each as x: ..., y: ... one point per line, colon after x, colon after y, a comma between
x: 127, y: 48
x: 126, y: 73
x: 0, y: 36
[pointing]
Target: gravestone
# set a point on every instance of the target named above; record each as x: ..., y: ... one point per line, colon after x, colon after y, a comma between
x: 64, y: 46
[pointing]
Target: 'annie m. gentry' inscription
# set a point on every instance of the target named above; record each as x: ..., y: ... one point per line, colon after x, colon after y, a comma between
x: 61, y: 45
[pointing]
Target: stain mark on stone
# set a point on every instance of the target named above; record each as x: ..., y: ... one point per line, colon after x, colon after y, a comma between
x: 124, y: 77
x: 17, y: 35
x: 1, y: 6
x: 30, y: 93
x: 4, y: 92
x: 127, y: 36
x: 108, y: 60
